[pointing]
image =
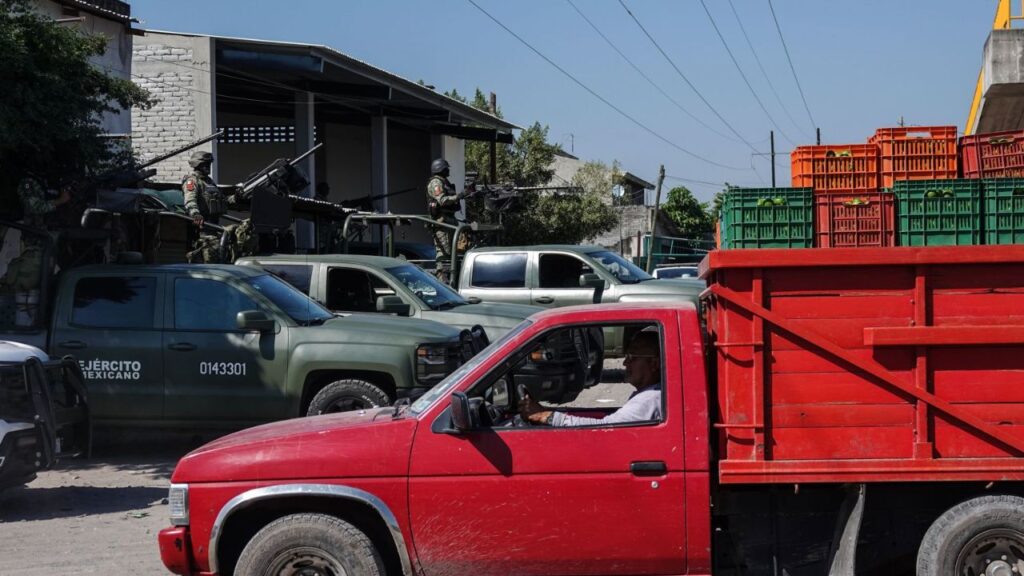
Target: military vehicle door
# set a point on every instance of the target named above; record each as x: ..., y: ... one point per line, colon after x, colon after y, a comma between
x: 113, y: 327
x: 558, y: 281
x: 354, y: 289
x: 498, y: 277
x: 215, y: 371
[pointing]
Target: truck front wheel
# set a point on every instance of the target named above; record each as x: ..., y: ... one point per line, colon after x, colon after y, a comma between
x: 980, y: 537
x: 345, y: 395
x: 309, y: 544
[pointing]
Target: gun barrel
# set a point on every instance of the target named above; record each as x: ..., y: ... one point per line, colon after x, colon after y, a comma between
x: 184, y: 148
x: 251, y: 185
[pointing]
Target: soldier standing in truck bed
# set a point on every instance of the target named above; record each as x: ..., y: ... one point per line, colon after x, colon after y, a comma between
x: 442, y: 202
x: 204, y: 201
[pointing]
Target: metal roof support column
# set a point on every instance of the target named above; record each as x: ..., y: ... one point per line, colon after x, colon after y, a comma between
x: 379, y: 161
x: 305, y: 119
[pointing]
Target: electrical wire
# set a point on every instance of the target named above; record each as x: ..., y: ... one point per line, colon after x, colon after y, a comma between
x: 764, y: 73
x: 599, y: 97
x: 685, y: 79
x: 646, y: 77
x: 742, y: 75
x: 790, y: 60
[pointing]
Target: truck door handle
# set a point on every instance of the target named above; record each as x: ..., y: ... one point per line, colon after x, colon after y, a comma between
x: 182, y: 347
x: 650, y: 467
x: 72, y: 344
x: 544, y: 300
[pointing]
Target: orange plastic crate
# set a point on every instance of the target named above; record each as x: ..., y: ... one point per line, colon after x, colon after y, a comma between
x: 916, y: 153
x: 995, y: 155
x: 846, y: 220
x: 836, y: 168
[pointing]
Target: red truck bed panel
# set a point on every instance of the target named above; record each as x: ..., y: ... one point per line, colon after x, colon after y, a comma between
x: 868, y: 364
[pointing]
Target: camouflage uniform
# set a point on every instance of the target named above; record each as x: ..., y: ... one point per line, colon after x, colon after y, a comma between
x: 24, y: 272
x: 34, y: 202
x: 203, y: 197
x: 443, y: 202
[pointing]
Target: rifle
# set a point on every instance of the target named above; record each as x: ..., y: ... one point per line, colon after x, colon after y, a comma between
x: 127, y: 178
x: 281, y: 171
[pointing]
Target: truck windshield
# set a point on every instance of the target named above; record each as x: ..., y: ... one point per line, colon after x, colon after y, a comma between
x: 301, y: 308
x: 624, y: 270
x: 430, y: 290
x: 444, y: 387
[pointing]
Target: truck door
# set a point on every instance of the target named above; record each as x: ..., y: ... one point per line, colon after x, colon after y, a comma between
x: 216, y: 372
x: 498, y: 277
x: 598, y: 499
x: 558, y: 281
x: 111, y: 324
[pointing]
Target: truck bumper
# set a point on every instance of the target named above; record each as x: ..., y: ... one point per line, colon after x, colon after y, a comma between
x: 176, y: 550
x: 19, y: 458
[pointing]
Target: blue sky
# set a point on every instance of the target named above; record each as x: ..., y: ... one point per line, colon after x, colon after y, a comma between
x: 862, y: 65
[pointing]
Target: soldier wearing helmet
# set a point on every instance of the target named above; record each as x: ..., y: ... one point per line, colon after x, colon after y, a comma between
x: 204, y: 201
x: 442, y: 203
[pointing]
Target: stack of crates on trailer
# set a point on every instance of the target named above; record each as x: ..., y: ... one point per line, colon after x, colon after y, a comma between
x: 916, y: 153
x: 767, y: 218
x: 995, y: 155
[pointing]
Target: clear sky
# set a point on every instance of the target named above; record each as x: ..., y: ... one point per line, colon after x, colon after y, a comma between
x: 862, y: 65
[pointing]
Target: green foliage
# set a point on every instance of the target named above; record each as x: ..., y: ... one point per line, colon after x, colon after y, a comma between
x: 53, y: 98
x: 718, y: 201
x: 691, y: 217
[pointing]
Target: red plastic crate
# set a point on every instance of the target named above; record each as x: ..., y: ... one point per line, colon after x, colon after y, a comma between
x: 836, y: 168
x: 855, y: 220
x: 994, y: 155
x: 916, y: 153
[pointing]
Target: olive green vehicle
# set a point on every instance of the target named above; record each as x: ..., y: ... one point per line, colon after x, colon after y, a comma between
x: 230, y: 346
x: 357, y: 283
x: 564, y: 275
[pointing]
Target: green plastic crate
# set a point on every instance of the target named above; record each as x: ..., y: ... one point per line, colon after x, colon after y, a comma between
x: 768, y: 218
x: 938, y: 212
x: 1004, y: 210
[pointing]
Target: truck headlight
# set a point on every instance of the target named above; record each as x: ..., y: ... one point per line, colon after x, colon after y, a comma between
x: 178, y: 503
x: 435, y: 361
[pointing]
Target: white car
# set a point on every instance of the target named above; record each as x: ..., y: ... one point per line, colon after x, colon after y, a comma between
x: 676, y: 272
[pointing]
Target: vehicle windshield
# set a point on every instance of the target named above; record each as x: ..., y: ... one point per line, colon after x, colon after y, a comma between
x: 444, y: 387
x: 301, y: 308
x: 679, y: 272
x: 623, y: 270
x: 431, y: 291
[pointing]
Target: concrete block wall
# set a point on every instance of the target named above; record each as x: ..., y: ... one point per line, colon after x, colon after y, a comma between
x: 176, y: 71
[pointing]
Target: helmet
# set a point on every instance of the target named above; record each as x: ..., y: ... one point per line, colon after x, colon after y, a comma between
x: 438, y: 166
x: 199, y: 158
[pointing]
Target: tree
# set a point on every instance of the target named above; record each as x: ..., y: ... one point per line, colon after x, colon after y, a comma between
x: 52, y: 100
x: 690, y: 216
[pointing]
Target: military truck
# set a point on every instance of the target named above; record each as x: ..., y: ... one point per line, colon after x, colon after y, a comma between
x: 225, y: 346
x: 44, y: 412
x: 356, y: 283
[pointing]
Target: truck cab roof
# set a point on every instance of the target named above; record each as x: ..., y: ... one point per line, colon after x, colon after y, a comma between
x: 219, y: 269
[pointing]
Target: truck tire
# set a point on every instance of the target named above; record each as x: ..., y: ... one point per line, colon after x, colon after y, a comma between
x: 309, y: 544
x: 983, y: 536
x: 345, y: 395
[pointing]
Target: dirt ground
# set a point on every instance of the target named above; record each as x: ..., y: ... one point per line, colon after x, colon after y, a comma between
x: 95, y: 516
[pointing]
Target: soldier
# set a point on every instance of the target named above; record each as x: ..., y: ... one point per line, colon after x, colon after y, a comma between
x: 35, y: 204
x: 443, y: 203
x: 204, y: 201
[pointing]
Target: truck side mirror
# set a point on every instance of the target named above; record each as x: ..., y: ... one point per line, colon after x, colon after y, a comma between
x: 461, y: 419
x: 593, y: 281
x: 393, y: 305
x: 254, y: 320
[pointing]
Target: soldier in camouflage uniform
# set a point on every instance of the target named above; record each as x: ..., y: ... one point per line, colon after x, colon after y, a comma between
x: 24, y: 272
x: 442, y: 202
x: 204, y: 201
x: 35, y: 204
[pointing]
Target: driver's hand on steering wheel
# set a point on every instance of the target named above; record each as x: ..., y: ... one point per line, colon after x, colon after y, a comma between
x: 533, y: 412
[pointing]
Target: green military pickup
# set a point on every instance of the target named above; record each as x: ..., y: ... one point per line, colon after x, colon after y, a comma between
x: 229, y: 346
x: 356, y: 283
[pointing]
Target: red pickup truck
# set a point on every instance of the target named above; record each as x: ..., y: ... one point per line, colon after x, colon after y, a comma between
x: 843, y: 411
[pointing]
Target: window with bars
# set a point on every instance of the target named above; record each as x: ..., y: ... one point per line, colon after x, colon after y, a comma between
x: 259, y: 134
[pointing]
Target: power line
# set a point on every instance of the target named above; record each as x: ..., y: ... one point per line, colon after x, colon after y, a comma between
x: 767, y: 78
x: 685, y: 79
x: 645, y: 76
x: 692, y: 181
x: 742, y: 75
x: 790, y: 60
x: 598, y: 96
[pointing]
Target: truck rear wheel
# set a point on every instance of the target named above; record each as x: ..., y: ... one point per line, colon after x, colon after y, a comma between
x: 980, y: 537
x: 309, y: 544
x: 345, y: 395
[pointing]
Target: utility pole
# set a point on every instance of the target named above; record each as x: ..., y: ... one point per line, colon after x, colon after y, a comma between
x: 818, y: 130
x: 654, y: 220
x: 493, y: 105
x: 772, y: 137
